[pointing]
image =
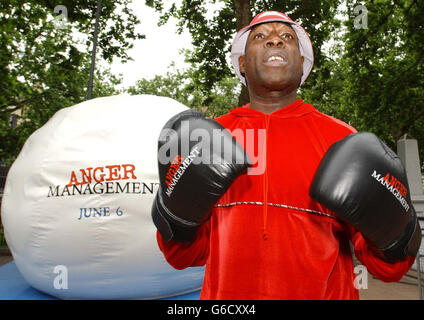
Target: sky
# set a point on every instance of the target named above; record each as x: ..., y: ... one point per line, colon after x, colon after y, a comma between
x: 153, y: 55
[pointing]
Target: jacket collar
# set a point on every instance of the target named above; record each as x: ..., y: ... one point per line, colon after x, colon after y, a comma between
x: 296, y: 109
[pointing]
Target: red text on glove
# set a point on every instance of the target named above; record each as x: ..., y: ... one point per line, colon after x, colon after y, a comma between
x: 175, y: 164
x: 391, y: 180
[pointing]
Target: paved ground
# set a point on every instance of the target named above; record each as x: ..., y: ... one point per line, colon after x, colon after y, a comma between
x: 405, y: 289
x: 5, y: 259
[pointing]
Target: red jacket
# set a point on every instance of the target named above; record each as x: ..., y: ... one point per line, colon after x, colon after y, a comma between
x: 267, y: 239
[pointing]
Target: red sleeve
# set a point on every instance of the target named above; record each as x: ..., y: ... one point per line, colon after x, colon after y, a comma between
x: 181, y: 255
x: 387, y: 272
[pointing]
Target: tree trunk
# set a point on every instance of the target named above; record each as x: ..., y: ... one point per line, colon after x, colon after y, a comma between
x: 243, y: 17
x: 243, y: 14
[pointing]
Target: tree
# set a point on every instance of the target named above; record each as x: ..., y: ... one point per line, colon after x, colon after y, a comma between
x: 43, y: 105
x: 377, y: 79
x: 180, y: 85
x: 44, y: 67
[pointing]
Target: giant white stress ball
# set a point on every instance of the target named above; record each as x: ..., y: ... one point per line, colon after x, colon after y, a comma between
x: 77, y: 200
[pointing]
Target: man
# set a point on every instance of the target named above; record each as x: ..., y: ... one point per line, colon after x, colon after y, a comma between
x: 266, y: 237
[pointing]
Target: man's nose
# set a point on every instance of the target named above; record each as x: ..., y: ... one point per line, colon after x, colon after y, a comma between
x: 274, y: 41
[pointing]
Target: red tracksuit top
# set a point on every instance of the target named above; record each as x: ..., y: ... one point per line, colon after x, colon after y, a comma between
x: 266, y: 238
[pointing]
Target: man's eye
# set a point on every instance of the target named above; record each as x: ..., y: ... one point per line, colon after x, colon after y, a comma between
x: 259, y: 36
x: 287, y: 36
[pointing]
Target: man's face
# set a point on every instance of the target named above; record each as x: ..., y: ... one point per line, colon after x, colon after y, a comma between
x: 272, y: 59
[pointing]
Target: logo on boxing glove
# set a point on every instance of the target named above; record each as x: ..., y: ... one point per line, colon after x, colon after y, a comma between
x: 177, y: 169
x: 394, y: 186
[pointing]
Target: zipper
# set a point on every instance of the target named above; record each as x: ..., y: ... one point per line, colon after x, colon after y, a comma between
x: 265, y: 211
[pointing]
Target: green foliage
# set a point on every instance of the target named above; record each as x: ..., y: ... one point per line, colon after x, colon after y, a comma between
x: 180, y: 85
x: 3, y: 243
x: 44, y: 68
x: 376, y: 82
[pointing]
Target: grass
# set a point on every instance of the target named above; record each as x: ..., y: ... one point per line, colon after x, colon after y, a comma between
x: 3, y: 243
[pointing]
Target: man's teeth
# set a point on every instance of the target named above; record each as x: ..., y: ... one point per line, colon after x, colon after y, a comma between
x: 272, y: 58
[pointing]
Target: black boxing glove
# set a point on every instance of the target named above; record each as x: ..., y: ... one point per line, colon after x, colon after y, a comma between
x: 198, y: 160
x: 365, y: 183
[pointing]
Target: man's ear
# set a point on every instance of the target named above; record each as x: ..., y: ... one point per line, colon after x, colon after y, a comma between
x: 241, y: 65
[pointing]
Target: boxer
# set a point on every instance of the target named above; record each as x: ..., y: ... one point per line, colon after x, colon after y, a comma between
x: 286, y: 233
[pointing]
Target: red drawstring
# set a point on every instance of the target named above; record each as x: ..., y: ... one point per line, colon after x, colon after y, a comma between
x: 265, y: 211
